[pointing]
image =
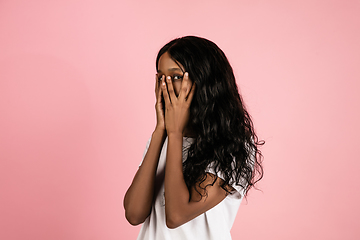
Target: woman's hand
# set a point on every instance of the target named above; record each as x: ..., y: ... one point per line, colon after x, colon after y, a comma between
x: 159, y: 107
x: 177, y: 109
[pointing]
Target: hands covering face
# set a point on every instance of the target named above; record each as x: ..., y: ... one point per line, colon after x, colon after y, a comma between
x: 177, y: 108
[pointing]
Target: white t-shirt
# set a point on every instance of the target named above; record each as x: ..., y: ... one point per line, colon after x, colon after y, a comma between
x: 214, y: 224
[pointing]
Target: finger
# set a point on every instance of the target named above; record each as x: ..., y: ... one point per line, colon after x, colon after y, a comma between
x: 190, y: 84
x: 170, y: 88
x: 191, y: 94
x: 157, y: 87
x: 156, y: 83
x: 165, y: 93
x: 185, y: 86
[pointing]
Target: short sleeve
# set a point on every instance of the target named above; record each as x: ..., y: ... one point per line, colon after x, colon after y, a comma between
x: 145, y: 151
x: 240, y: 190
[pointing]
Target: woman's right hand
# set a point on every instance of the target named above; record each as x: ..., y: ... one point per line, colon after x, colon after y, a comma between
x: 159, y: 106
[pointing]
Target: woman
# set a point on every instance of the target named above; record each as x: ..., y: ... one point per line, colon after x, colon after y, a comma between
x: 203, y: 155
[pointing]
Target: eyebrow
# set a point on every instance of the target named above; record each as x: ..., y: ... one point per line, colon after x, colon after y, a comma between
x: 172, y: 70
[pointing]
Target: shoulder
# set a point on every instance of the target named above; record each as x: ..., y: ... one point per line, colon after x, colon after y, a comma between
x: 236, y: 189
x: 211, y: 185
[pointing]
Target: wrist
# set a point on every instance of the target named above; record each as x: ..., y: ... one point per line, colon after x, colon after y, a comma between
x: 159, y: 132
x: 175, y: 135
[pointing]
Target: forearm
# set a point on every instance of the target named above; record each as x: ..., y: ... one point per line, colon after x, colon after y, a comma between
x: 138, y: 198
x: 176, y: 192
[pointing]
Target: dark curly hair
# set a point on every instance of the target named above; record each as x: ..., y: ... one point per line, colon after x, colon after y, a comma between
x: 225, y: 135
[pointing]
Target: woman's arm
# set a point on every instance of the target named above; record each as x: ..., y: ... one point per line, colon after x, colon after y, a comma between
x: 139, y: 197
x: 178, y: 208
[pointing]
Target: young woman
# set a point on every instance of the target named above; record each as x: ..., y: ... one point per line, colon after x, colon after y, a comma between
x: 203, y: 156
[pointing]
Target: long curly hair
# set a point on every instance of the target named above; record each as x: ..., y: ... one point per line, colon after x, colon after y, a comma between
x: 225, y: 136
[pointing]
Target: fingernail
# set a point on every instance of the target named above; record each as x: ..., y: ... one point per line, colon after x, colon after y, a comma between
x: 186, y: 74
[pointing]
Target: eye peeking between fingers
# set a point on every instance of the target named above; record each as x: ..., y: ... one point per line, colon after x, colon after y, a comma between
x: 174, y: 78
x: 177, y: 78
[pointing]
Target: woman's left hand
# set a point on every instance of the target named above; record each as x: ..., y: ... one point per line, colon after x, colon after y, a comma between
x: 177, y: 109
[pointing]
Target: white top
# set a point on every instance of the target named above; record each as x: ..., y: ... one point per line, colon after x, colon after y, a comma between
x: 214, y: 224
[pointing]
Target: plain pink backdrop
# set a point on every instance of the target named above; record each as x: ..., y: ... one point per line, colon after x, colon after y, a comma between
x: 77, y: 107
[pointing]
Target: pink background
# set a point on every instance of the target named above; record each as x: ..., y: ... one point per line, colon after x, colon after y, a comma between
x: 77, y: 107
